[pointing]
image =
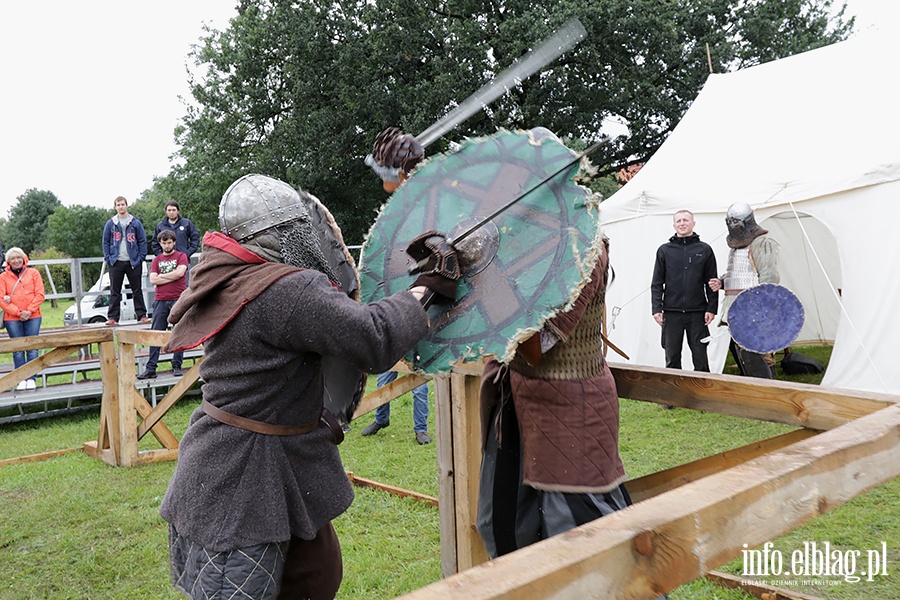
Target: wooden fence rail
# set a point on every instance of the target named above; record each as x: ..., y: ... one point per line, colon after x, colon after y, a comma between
x: 686, y: 521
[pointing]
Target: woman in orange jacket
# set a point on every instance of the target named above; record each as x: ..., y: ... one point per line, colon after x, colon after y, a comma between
x: 21, y: 294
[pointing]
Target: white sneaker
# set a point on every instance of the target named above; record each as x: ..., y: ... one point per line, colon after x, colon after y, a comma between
x: 30, y: 384
x: 22, y: 385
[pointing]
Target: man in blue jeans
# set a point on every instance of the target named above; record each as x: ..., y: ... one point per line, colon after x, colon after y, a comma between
x: 167, y: 273
x: 124, y: 248
x: 420, y: 411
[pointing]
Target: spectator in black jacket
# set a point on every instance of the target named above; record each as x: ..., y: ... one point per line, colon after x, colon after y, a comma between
x: 187, y: 238
x: 682, y: 299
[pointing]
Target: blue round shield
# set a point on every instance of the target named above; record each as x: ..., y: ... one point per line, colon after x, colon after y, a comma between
x: 765, y: 318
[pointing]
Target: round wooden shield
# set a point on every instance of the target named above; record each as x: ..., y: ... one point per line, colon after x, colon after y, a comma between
x: 518, y: 270
x: 765, y: 318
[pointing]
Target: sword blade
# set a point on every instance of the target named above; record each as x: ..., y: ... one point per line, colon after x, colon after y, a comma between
x: 527, y: 65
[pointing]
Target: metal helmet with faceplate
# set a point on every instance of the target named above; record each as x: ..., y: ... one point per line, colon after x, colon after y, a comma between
x: 256, y: 203
x: 742, y: 225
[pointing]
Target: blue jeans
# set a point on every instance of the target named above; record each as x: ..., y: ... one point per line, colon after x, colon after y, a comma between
x: 161, y: 310
x: 17, y: 329
x: 420, y: 404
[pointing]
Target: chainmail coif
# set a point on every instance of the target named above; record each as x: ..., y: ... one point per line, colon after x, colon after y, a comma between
x: 300, y: 248
x: 295, y: 244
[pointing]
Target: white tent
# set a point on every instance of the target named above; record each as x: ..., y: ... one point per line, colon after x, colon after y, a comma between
x: 812, y: 142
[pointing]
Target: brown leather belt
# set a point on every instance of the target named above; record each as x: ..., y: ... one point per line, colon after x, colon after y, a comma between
x: 271, y: 429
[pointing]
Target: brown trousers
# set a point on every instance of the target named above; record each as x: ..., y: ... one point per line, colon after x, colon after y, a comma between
x: 313, y: 569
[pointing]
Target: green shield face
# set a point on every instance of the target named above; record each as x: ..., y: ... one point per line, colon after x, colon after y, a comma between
x: 520, y: 269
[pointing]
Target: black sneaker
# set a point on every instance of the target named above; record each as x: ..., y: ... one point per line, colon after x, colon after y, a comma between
x: 177, y: 372
x: 374, y: 428
x: 147, y: 375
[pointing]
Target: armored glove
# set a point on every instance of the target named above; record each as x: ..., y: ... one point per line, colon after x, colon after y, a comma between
x: 436, y: 263
x: 394, y: 155
x: 397, y: 150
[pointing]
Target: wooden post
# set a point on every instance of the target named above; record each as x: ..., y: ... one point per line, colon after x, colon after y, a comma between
x: 107, y: 446
x: 128, y: 440
x: 446, y: 474
x: 466, y: 434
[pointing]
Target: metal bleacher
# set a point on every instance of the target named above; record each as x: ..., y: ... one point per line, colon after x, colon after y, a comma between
x: 83, y: 388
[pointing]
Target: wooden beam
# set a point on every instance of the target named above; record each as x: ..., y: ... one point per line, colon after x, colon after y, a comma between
x: 669, y: 479
x: 33, y: 367
x: 159, y: 430
x: 446, y: 474
x: 174, y: 395
x: 666, y: 541
x: 108, y: 436
x: 144, y: 337
x: 391, y: 489
x: 146, y: 457
x: 797, y: 404
x: 127, y: 423
x: 383, y: 395
x: 90, y: 448
x: 36, y: 457
x: 52, y: 340
x: 466, y: 423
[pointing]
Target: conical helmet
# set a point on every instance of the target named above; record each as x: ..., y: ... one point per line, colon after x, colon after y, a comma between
x: 256, y: 203
x: 742, y: 225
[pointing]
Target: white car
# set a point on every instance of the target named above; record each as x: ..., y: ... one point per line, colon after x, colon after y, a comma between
x: 95, y: 304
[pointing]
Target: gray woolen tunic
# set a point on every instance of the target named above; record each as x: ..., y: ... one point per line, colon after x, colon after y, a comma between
x: 234, y: 488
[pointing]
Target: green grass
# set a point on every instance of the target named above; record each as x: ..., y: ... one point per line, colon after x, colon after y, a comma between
x: 74, y: 527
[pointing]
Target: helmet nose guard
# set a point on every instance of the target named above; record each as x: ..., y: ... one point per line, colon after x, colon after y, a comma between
x: 256, y: 203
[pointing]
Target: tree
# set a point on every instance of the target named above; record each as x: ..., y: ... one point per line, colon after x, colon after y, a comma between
x: 4, y: 241
x: 149, y: 212
x: 27, y: 225
x: 61, y: 274
x: 298, y: 91
x: 77, y: 230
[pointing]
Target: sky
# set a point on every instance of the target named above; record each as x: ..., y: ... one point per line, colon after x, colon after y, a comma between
x: 91, y: 91
x: 91, y: 94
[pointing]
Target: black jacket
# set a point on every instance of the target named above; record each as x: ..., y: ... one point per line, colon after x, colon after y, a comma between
x: 187, y: 238
x: 681, y: 277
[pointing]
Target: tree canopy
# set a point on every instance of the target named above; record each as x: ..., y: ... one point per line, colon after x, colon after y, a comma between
x: 299, y: 90
x: 77, y: 230
x: 27, y: 224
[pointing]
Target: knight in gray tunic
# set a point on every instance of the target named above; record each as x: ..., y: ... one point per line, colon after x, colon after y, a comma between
x: 259, y: 477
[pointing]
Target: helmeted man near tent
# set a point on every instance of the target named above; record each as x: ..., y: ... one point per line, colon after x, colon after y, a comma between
x: 682, y: 301
x: 259, y: 477
x: 752, y: 260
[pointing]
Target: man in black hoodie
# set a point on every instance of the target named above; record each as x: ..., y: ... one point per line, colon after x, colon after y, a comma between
x: 682, y: 300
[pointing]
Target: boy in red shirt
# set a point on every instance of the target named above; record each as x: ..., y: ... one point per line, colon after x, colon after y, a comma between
x: 167, y: 273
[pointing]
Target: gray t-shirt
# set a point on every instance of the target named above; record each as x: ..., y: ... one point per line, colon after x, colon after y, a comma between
x: 123, y: 245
